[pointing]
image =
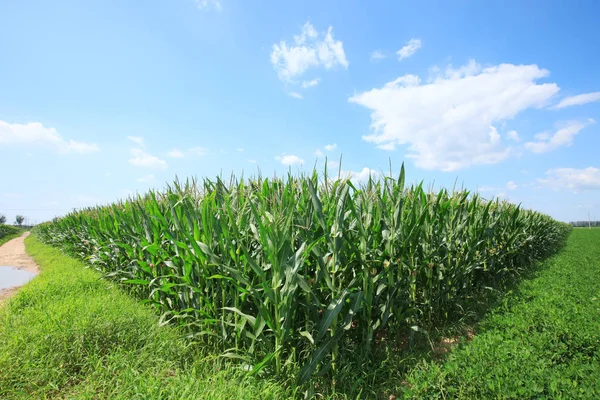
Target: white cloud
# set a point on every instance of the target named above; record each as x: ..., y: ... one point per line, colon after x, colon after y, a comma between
x: 241, y: 150
x: 578, y: 100
x: 562, y: 137
x: 175, y: 153
x: 332, y: 164
x: 81, y: 147
x: 195, y: 151
x: 34, y: 133
x: 331, y: 147
x: 319, y: 153
x: 147, y: 179
x: 296, y: 95
x: 577, y: 180
x: 199, y: 151
x: 290, y: 159
x: 513, y: 135
x: 377, y: 55
x: 252, y: 161
x: 137, y: 140
x: 409, y: 49
x: 387, y: 146
x: 497, y: 192
x: 311, y: 83
x: 449, y: 123
x: 14, y: 196
x: 588, y: 205
x: 311, y: 49
x: 209, y: 4
x: 361, y: 176
x: 142, y: 159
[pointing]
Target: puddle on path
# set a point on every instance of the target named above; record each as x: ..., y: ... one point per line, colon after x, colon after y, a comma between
x: 11, y: 277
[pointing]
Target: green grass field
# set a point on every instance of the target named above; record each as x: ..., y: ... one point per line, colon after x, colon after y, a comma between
x: 543, y: 342
x: 68, y: 334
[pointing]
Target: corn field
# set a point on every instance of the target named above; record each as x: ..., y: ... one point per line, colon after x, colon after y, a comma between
x: 280, y: 273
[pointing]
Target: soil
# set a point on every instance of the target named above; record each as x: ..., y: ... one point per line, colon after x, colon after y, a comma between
x: 13, y: 254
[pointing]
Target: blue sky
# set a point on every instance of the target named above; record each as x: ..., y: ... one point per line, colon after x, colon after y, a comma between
x: 104, y: 98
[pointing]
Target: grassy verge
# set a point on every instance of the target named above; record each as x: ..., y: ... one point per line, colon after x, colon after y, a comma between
x: 68, y: 334
x: 9, y: 233
x: 543, y: 342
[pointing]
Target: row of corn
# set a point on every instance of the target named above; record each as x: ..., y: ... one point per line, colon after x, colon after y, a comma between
x: 285, y: 274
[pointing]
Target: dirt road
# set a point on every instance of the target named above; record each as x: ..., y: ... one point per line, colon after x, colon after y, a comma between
x: 12, y: 254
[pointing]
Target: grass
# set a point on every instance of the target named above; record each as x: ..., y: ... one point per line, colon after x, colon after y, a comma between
x: 8, y: 233
x: 542, y: 342
x: 68, y: 334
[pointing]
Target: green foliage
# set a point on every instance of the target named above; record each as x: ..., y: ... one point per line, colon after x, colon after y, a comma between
x: 544, y: 342
x: 68, y: 334
x: 8, y: 232
x: 19, y: 219
x: 284, y: 274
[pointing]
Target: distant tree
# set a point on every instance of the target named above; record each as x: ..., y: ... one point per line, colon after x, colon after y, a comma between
x: 2, y: 219
x: 19, y: 219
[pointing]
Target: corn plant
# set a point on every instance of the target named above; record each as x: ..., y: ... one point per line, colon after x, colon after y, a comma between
x: 279, y: 272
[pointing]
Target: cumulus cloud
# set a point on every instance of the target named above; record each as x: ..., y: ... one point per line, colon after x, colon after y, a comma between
x: 137, y: 140
x: 35, y: 133
x: 513, y: 135
x: 562, y: 137
x: 290, y: 159
x: 198, y: 151
x: 319, y: 153
x: 311, y: 83
x: 194, y: 151
x: 209, y: 4
x: 331, y: 147
x: 140, y: 158
x: 147, y: 179
x: 377, y: 55
x: 362, y: 175
x: 296, y: 95
x: 511, y: 185
x: 578, y: 100
x: 175, y: 153
x: 310, y: 49
x: 577, y: 180
x: 409, y: 49
x: 450, y: 122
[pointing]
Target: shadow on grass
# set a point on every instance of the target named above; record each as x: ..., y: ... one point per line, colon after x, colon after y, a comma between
x: 382, y: 375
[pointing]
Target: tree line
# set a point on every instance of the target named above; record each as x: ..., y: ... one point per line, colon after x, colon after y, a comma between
x: 585, y: 223
x: 18, y: 219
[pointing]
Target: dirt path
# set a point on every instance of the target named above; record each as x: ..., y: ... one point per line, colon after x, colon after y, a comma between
x: 12, y: 254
